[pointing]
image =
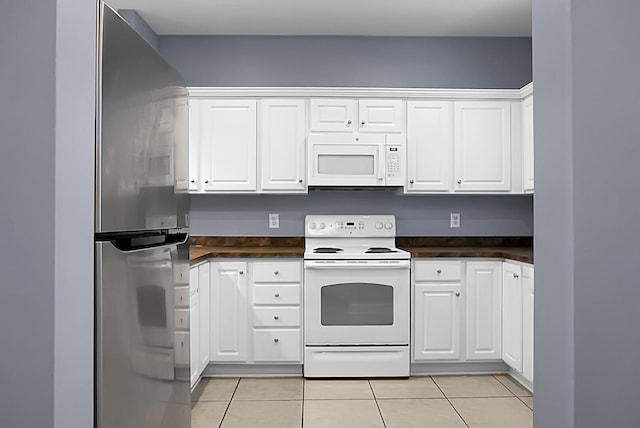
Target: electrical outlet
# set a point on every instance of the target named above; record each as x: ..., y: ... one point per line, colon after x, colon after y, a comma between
x: 455, y: 220
x: 274, y: 221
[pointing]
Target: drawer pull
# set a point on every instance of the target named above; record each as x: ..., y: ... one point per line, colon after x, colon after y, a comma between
x: 276, y: 340
x: 439, y: 271
x: 277, y: 295
x: 276, y: 317
x: 276, y: 273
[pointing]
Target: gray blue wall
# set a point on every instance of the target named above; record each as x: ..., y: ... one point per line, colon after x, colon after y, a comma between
x: 586, y: 67
x: 46, y: 215
x: 431, y: 62
x: 416, y: 215
x: 140, y: 25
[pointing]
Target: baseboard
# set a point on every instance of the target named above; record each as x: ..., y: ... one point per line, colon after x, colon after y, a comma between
x: 458, y: 368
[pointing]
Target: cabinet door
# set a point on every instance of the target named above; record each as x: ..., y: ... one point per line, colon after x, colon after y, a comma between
x: 482, y: 146
x: 193, y: 324
x: 195, y: 112
x: 228, y: 311
x: 527, y: 143
x: 282, y: 145
x: 385, y: 116
x: 484, y: 310
x: 527, y: 323
x: 194, y: 346
x: 429, y: 146
x: 180, y: 135
x: 204, y: 288
x: 333, y: 115
x: 228, y: 144
x: 512, y: 316
x: 437, y: 322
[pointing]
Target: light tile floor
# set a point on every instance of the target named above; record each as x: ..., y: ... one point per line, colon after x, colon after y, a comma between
x: 425, y: 402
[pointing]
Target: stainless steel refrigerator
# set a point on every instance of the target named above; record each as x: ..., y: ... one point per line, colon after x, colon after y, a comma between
x: 142, y: 287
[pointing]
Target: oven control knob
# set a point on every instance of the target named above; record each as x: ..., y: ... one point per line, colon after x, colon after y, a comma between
x: 388, y: 225
x: 378, y: 225
x: 312, y: 225
x: 321, y: 226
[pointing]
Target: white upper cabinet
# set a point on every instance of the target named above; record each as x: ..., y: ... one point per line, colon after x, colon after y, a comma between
x: 512, y: 315
x: 429, y: 146
x: 282, y: 145
x: 228, y: 138
x: 484, y: 310
x: 482, y: 146
x: 373, y: 115
x: 333, y: 115
x: 527, y: 144
x: 195, y: 112
x: 385, y: 116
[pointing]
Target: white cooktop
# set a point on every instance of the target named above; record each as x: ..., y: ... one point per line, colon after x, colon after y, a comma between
x: 356, y: 237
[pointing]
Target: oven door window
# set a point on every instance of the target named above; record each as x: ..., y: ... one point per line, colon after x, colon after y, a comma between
x: 356, y: 303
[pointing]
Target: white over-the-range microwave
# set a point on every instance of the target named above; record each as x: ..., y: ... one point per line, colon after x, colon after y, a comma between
x: 356, y: 159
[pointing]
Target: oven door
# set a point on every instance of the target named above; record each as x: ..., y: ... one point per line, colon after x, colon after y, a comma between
x: 349, y: 302
x: 346, y: 160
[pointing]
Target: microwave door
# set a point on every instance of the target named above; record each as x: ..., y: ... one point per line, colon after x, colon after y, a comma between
x: 344, y: 165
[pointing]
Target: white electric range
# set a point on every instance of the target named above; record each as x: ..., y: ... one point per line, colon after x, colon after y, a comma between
x: 356, y: 297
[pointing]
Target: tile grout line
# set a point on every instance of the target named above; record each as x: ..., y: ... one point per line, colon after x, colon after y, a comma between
x: 523, y: 402
x: 384, y: 424
x: 497, y: 377
x: 303, y: 387
x: 449, y: 401
x: 229, y: 404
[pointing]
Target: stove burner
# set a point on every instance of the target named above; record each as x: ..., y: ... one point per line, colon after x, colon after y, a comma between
x: 380, y: 250
x: 327, y: 250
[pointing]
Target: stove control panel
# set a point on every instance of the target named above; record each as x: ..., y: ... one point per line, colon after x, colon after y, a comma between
x: 350, y: 225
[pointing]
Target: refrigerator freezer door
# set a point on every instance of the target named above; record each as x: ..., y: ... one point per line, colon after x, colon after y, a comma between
x: 142, y: 362
x: 142, y: 153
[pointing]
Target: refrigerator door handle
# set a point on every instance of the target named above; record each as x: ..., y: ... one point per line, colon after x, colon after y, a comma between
x: 128, y: 244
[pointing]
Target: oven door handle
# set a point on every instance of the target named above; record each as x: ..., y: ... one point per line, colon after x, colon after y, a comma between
x: 399, y: 264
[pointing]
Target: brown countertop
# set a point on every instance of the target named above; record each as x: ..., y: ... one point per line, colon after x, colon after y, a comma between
x: 513, y: 248
x: 521, y: 254
x: 200, y: 253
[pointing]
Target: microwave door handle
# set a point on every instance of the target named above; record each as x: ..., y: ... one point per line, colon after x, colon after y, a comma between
x: 381, y: 162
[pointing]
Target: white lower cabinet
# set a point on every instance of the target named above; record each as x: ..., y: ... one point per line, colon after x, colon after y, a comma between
x: 256, y: 312
x: 277, y: 318
x: 228, y: 312
x: 484, y: 310
x: 204, y: 329
x: 527, y: 322
x: 196, y: 320
x: 512, y: 315
x: 277, y: 345
x: 437, y: 310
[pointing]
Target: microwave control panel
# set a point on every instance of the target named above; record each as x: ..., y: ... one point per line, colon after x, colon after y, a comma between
x: 394, y: 163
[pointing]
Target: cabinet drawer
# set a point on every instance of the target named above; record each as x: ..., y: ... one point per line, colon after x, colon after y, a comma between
x: 277, y: 271
x: 277, y: 345
x: 276, y: 294
x: 437, y: 270
x: 276, y: 317
x: 181, y: 296
x: 181, y: 348
x: 181, y: 273
x: 182, y: 319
